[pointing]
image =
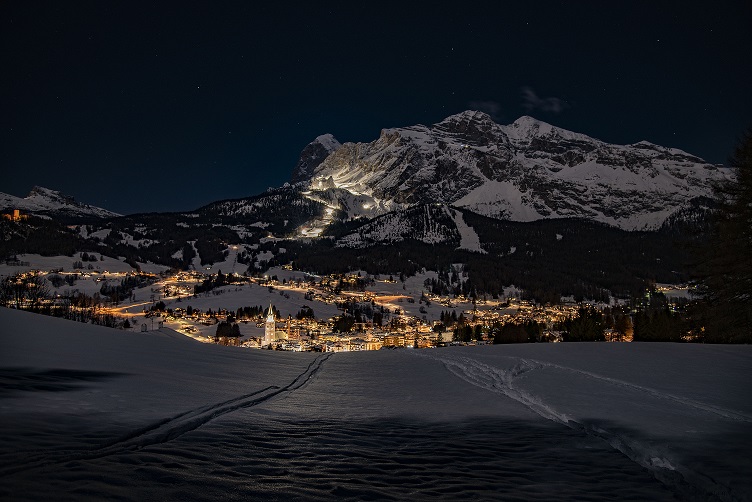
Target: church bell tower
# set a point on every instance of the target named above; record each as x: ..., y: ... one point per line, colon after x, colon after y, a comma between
x: 270, y: 328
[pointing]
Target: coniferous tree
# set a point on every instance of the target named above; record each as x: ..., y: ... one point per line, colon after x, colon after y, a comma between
x: 478, y: 332
x: 724, y: 268
x: 510, y: 333
x: 587, y: 326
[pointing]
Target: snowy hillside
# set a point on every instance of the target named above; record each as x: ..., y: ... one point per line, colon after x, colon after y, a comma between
x: 426, y: 223
x: 93, y: 413
x: 43, y: 201
x: 524, y: 171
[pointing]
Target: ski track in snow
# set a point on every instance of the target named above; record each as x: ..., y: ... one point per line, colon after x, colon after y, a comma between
x: 165, y: 430
x: 668, y: 471
x: 717, y: 410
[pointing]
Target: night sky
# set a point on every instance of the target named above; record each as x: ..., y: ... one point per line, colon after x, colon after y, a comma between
x: 167, y: 106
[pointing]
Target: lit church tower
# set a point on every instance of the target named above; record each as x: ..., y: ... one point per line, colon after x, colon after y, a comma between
x: 270, y: 328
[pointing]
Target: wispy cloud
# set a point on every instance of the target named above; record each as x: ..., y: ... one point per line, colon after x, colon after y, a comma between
x: 531, y: 101
x: 492, y: 108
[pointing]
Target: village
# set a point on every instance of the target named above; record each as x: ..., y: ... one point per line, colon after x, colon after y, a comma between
x: 365, y: 317
x: 336, y: 313
x: 285, y: 309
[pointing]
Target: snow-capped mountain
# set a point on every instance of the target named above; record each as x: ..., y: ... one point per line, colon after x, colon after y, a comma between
x: 45, y: 202
x: 524, y: 171
x: 313, y: 155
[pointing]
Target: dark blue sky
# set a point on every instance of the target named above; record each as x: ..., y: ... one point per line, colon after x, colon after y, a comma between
x: 140, y: 107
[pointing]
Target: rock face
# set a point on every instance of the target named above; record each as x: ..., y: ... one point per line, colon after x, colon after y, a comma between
x: 524, y: 171
x: 313, y: 155
x: 45, y: 202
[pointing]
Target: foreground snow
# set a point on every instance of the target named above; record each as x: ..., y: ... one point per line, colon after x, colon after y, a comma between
x: 89, y: 412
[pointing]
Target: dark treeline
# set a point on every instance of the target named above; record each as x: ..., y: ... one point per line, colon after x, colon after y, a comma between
x: 587, y: 326
x: 115, y: 293
x: 723, y: 261
x: 546, y: 259
x: 38, y: 236
x: 228, y: 330
x: 257, y: 312
x: 573, y: 258
x: 217, y: 281
x: 525, y: 332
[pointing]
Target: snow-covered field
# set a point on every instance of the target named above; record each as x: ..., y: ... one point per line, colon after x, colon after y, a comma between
x: 88, y: 412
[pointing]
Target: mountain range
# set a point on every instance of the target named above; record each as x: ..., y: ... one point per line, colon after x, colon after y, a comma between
x: 524, y: 171
x: 527, y: 204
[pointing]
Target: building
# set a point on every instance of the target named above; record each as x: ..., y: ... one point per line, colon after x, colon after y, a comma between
x: 394, y: 340
x: 270, y: 327
x: 15, y: 216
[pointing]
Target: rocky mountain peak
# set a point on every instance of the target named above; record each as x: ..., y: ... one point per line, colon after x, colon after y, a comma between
x: 527, y: 128
x: 48, y: 194
x: 528, y: 123
x: 468, y: 116
x: 328, y: 141
x: 312, y: 155
x: 469, y: 127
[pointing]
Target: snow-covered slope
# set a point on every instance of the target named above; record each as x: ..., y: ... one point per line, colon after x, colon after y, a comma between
x: 97, y: 414
x: 43, y: 201
x: 524, y: 171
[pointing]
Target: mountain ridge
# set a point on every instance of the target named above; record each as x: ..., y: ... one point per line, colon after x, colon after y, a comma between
x: 43, y: 201
x: 523, y: 171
